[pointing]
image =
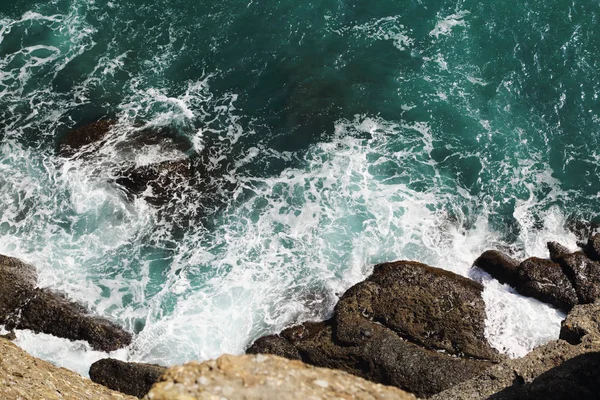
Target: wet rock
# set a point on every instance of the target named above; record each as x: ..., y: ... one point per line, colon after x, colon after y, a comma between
x: 380, y: 324
x: 584, y: 275
x: 274, y: 344
x: 260, y: 377
x: 23, y: 306
x: 592, y: 249
x: 545, y: 280
x: 28, y: 378
x: 77, y: 139
x: 9, y: 336
x: 583, y: 320
x: 557, y: 251
x: 499, y: 265
x: 55, y: 314
x: 518, y: 372
x: 134, y: 379
x: 158, y: 183
x: 576, y: 378
x: 434, y: 308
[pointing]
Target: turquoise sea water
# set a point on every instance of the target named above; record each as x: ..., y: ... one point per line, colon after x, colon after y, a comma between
x: 340, y: 133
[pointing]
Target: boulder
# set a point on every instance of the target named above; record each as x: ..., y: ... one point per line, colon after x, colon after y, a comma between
x: 261, y: 377
x: 23, y: 306
x: 403, y: 326
x: 592, y: 248
x: 428, y: 306
x: 28, y: 378
x: 499, y: 265
x: 584, y: 274
x: 545, y: 280
x: 583, y: 320
x: 557, y: 250
x: 131, y: 378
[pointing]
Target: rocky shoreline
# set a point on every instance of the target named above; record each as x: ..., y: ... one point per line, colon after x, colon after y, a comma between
x: 408, y: 327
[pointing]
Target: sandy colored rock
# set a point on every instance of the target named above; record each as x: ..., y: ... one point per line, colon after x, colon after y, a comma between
x: 265, y: 377
x: 23, y: 377
x: 583, y: 320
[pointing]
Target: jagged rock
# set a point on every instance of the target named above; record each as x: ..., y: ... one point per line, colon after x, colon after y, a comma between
x: 431, y: 307
x: 514, y: 373
x: 584, y: 274
x: 499, y: 265
x: 260, y: 377
x: 93, y: 133
x: 131, y: 378
x: 22, y: 306
x: 592, y: 248
x: 375, y: 322
x: 27, y: 378
x: 582, y: 320
x: 557, y: 250
x: 576, y: 378
x: 545, y: 280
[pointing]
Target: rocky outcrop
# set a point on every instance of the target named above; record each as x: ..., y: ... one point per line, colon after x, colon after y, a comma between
x: 400, y: 327
x: 571, y: 362
x: 499, y: 265
x: 254, y: 377
x: 131, y: 378
x: 23, y: 306
x: 27, y: 378
x: 584, y: 274
x: 592, y: 248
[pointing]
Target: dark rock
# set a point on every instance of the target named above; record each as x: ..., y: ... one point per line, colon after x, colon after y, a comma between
x: 428, y: 306
x: 557, y: 250
x: 383, y: 357
x: 583, y: 320
x: 375, y: 321
x: 22, y: 306
x: 584, y: 275
x: 17, y: 282
x: 274, y: 344
x: 576, y: 378
x: 499, y: 265
x: 135, y: 379
x: 545, y: 280
x: 592, y: 249
x: 93, y: 133
x: 9, y: 336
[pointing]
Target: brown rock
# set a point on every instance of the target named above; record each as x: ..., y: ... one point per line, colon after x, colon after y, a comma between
x: 263, y: 377
x: 545, y: 280
x: 557, y: 250
x: 584, y: 274
x: 274, y: 344
x: 27, y: 378
x: 77, y: 139
x: 499, y: 265
x: 131, y: 378
x: 428, y: 306
x: 593, y: 247
x: 582, y: 320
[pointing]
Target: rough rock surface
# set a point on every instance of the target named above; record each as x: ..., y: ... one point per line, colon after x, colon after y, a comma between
x: 27, y: 378
x: 265, y: 377
x: 576, y: 378
x: 545, y: 280
x: 135, y: 379
x: 499, y: 265
x: 584, y: 274
x: 592, y: 248
x: 22, y: 306
x: 519, y: 371
x: 380, y: 324
x: 582, y: 320
x: 557, y: 250
x: 86, y: 135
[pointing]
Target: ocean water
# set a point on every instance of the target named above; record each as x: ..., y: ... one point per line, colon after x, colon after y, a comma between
x: 336, y: 135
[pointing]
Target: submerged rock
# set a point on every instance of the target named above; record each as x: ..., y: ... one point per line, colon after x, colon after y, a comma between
x: 28, y: 378
x: 135, y: 379
x: 545, y: 280
x: 260, y: 377
x: 499, y: 265
x: 23, y: 306
x: 90, y: 134
x: 380, y: 324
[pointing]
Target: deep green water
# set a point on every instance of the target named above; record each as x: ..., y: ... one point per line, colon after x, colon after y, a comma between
x: 341, y: 134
